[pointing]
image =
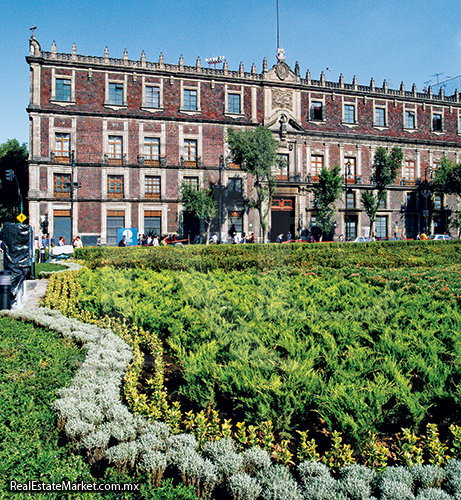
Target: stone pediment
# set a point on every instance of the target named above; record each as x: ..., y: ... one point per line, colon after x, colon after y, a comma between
x: 283, y: 122
x: 281, y: 72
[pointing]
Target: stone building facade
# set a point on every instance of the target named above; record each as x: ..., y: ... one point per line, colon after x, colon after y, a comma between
x: 126, y: 133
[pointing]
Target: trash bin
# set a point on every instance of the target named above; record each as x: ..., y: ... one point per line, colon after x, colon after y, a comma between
x: 5, y: 290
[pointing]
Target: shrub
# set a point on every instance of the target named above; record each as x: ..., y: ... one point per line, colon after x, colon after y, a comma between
x: 427, y: 476
x: 433, y: 494
x: 453, y: 476
x: 243, y: 487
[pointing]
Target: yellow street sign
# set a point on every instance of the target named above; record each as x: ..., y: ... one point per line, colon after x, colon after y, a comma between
x: 21, y: 218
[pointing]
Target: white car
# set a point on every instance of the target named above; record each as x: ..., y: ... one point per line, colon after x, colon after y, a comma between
x: 439, y: 237
x: 361, y: 239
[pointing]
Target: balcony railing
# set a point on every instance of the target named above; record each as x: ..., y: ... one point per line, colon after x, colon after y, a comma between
x: 191, y: 163
x: 119, y: 159
x: 156, y: 161
x: 60, y: 157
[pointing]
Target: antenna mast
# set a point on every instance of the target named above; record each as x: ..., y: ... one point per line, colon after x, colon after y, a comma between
x: 278, y: 37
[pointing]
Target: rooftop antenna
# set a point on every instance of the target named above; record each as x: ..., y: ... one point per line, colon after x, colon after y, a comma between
x: 437, y: 76
x: 215, y: 60
x: 278, y: 34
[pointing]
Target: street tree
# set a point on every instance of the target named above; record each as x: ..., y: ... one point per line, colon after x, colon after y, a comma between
x: 447, y: 180
x: 200, y: 202
x: 255, y: 151
x: 326, y: 192
x: 384, y: 172
x: 14, y: 166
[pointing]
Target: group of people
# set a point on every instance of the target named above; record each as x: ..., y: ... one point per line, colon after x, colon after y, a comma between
x: 51, y: 242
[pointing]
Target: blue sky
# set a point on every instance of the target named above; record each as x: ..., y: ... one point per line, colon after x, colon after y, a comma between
x: 394, y: 40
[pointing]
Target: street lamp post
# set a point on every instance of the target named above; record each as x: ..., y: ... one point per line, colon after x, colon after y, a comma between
x: 72, y: 187
x: 347, y: 172
x: 427, y: 192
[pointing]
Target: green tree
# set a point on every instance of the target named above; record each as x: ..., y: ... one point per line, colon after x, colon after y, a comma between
x: 384, y: 172
x: 200, y: 202
x: 255, y: 150
x: 326, y: 192
x: 13, y: 156
x: 447, y: 180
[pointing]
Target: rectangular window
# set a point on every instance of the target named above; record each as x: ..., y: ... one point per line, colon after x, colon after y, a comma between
x: 62, y: 185
x: 350, y: 199
x: 115, y: 220
x: 234, y: 186
x: 116, y: 94
x: 151, y: 151
x: 63, y: 89
x: 115, y: 153
x: 190, y: 100
x: 437, y: 122
x: 62, y: 147
x: 152, y: 97
x: 410, y: 171
x: 349, y: 169
x: 383, y: 204
x: 351, y: 227
x: 191, y: 182
x: 349, y: 113
x: 410, y: 226
x: 153, y: 222
x: 316, y: 167
x: 282, y: 172
x: 233, y: 104
x: 380, y: 117
x: 410, y: 120
x: 317, y: 110
x: 190, y: 152
x: 153, y: 187
x: 381, y: 226
x: 115, y: 186
x: 437, y: 202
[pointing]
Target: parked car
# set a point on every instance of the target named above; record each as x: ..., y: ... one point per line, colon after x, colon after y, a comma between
x: 360, y: 239
x: 439, y: 237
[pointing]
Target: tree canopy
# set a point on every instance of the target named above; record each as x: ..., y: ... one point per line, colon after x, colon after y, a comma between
x: 200, y: 202
x: 384, y: 172
x: 13, y: 156
x: 326, y: 192
x: 255, y: 151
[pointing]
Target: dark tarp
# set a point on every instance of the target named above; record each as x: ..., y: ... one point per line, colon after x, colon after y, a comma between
x: 17, y: 245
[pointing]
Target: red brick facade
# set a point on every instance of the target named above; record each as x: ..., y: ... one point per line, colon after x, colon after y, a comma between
x: 134, y: 124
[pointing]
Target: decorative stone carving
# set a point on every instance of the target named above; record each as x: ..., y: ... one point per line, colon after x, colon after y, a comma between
x: 282, y: 98
x: 282, y: 70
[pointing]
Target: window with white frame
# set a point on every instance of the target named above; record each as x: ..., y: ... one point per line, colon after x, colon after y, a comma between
x: 437, y: 122
x: 234, y: 104
x: 62, y: 147
x: 152, y: 186
x: 381, y: 226
x: 115, y: 148
x: 409, y: 173
x: 190, y: 100
x: 316, y: 166
x: 152, y: 97
x: 63, y: 89
x: 151, y: 150
x: 115, y: 93
x: 192, y: 182
x: 410, y: 120
x: 190, y: 152
x: 380, y: 117
x: 316, y: 111
x: 349, y: 113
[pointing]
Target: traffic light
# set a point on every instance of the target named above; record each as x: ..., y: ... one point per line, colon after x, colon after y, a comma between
x: 9, y: 175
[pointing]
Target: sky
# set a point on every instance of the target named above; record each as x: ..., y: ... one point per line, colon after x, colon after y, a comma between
x: 410, y: 41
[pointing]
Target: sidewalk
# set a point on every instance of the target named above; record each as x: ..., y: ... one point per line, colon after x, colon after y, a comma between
x: 36, y: 291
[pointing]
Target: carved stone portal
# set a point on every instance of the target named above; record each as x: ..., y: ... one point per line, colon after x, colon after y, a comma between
x: 282, y: 99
